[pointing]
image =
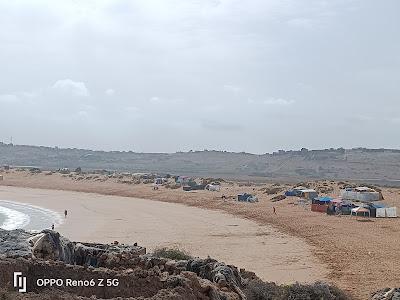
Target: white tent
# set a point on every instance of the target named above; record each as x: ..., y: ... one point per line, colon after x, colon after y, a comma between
x: 381, y: 212
x: 391, y: 212
x: 213, y: 188
x: 360, y: 195
x: 360, y: 211
x: 386, y: 212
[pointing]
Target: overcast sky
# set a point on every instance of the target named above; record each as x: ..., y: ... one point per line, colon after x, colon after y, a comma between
x: 171, y: 75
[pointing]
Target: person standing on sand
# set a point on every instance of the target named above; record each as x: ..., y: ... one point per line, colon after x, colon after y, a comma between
x: 65, y: 213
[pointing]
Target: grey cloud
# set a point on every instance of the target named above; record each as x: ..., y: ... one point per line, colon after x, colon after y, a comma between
x: 110, y: 92
x: 232, y: 88
x: 278, y: 101
x: 71, y: 87
x: 8, y: 98
x: 114, y: 74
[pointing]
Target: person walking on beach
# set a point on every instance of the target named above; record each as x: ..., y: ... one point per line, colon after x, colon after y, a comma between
x: 65, y: 213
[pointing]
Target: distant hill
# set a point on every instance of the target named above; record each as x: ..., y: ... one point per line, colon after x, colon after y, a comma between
x: 379, y: 165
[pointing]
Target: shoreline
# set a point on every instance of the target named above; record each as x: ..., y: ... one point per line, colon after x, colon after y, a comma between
x: 12, y: 219
x: 27, y: 216
x: 272, y: 255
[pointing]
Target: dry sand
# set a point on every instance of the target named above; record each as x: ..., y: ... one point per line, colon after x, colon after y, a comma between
x: 361, y: 257
x: 99, y: 218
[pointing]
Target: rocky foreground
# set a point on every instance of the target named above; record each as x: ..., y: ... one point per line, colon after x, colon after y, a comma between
x: 98, y: 271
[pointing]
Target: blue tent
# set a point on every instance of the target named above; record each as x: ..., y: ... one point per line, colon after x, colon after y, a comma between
x: 291, y: 193
x: 322, y: 200
x: 373, y: 207
x: 377, y: 205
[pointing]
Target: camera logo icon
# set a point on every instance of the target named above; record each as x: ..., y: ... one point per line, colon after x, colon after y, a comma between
x: 20, y: 282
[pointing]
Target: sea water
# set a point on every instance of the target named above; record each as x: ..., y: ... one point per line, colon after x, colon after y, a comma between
x: 2, y: 218
x: 14, y: 215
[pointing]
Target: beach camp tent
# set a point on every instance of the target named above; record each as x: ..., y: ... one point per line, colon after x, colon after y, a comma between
x: 363, y: 194
x: 380, y: 212
x: 343, y: 207
x: 245, y: 197
x: 159, y: 180
x: 391, y: 212
x: 322, y: 200
x: 295, y: 191
x: 320, y: 204
x: 360, y: 211
x: 377, y: 210
x: 183, y: 179
x: 308, y: 194
x: 213, y: 188
x: 291, y: 193
x: 337, y: 201
x: 334, y: 206
x: 386, y: 212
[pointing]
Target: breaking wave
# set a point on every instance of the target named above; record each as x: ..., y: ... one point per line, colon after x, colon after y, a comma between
x: 26, y: 216
x: 13, y: 219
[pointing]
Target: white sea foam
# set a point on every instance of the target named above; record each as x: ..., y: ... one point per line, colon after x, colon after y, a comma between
x: 14, y: 219
x: 19, y: 215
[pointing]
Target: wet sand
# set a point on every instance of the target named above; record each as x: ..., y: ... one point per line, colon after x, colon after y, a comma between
x: 272, y: 255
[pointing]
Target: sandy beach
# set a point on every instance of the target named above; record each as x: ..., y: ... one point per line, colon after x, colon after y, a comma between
x: 361, y: 257
x: 272, y: 255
